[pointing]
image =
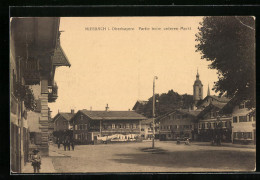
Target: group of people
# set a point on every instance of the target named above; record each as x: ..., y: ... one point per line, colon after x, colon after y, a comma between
x: 67, y: 143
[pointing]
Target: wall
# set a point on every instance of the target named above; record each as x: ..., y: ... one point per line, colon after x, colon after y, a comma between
x: 248, y: 126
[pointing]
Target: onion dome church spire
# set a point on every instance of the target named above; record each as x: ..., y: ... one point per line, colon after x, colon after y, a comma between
x: 197, y: 89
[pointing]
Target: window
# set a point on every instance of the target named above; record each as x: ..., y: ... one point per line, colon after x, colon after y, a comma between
x: 142, y: 129
x: 76, y: 127
x: 134, y: 126
x: 86, y: 126
x: 131, y: 126
x: 64, y: 123
x: 242, y: 106
x: 242, y: 119
x: 168, y: 127
x: 81, y: 117
x: 235, y: 119
x: 127, y: 126
x: 169, y: 135
x: 113, y: 126
x: 203, y: 125
x: 209, y: 125
x: 225, y: 124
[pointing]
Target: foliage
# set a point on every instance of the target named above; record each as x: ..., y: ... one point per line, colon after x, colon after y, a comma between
x: 24, y: 93
x: 229, y: 44
x: 167, y: 102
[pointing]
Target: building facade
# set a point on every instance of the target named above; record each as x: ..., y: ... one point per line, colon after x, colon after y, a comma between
x: 212, y: 124
x: 89, y: 126
x: 61, y: 121
x: 33, y: 45
x: 243, y: 124
x: 179, y: 123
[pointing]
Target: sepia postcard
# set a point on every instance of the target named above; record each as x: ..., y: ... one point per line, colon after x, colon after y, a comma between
x: 132, y: 94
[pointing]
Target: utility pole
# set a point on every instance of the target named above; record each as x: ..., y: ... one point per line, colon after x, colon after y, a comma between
x: 155, y: 77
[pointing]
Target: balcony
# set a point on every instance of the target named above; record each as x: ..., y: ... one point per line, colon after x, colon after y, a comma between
x: 31, y: 71
x: 53, y: 93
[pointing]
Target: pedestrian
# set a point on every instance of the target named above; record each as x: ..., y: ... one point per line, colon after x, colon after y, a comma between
x: 72, y: 144
x: 68, y: 144
x: 178, y: 140
x: 64, y: 144
x: 36, y: 161
x: 58, y: 143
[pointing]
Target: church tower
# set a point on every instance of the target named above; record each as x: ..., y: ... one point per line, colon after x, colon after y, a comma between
x: 197, y: 89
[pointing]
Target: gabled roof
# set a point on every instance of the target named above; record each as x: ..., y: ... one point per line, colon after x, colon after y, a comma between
x: 59, y: 57
x: 66, y: 116
x: 221, y: 99
x: 212, y: 105
x: 113, y: 115
x: 193, y: 113
x: 147, y: 121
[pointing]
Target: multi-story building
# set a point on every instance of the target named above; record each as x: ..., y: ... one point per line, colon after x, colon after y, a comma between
x: 62, y: 121
x: 211, y: 123
x: 178, y: 123
x: 147, y: 129
x: 34, y: 55
x: 88, y: 126
x: 243, y: 121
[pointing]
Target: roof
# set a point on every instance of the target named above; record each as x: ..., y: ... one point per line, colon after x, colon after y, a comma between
x: 66, y: 116
x: 59, y: 57
x: 184, y: 111
x: 212, y: 105
x: 147, y: 121
x: 113, y: 115
x: 190, y: 112
x: 221, y: 99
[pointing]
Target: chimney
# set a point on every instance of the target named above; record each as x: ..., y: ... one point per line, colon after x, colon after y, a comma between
x: 107, y: 107
x: 90, y: 108
x: 72, y: 111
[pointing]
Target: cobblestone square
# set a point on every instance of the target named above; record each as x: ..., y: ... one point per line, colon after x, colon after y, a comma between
x: 168, y: 157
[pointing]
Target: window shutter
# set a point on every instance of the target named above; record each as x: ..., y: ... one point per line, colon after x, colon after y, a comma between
x: 38, y: 138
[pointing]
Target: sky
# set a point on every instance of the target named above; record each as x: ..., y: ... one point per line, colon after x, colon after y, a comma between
x: 117, y: 67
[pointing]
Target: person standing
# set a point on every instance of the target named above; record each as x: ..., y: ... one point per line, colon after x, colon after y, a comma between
x: 68, y: 143
x: 36, y: 161
x: 58, y: 141
x: 72, y: 144
x: 64, y: 144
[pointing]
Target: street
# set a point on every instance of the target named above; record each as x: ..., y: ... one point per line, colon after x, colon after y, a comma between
x: 168, y: 157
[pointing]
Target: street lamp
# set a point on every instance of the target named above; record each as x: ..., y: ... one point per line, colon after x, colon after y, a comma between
x: 155, y: 77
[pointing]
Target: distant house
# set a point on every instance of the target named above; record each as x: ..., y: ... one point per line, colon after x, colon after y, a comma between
x: 178, y: 123
x: 211, y: 122
x: 147, y: 129
x: 61, y: 121
x: 139, y: 106
x: 243, y: 121
x: 88, y: 126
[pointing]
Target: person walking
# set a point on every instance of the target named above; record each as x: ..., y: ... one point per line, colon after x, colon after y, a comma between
x: 68, y: 143
x: 36, y: 161
x: 72, y: 144
x: 58, y: 141
x: 64, y: 144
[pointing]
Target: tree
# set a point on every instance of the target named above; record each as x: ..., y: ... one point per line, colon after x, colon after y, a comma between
x: 167, y: 102
x: 229, y: 44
